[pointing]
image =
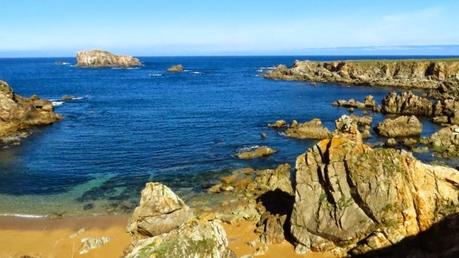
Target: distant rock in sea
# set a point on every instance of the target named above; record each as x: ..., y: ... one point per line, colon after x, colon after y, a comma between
x: 176, y: 68
x: 100, y: 58
x: 17, y: 114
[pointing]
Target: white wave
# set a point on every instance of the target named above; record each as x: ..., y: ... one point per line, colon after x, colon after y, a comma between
x: 196, y: 72
x: 57, y: 103
x: 248, y: 148
x: 19, y: 215
x: 155, y: 74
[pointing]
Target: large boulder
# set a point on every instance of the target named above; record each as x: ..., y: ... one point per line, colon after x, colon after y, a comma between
x: 160, y: 211
x: 257, y: 152
x: 351, y: 198
x: 100, y: 58
x: 176, y: 68
x: 18, y: 113
x: 406, y: 103
x: 313, y: 129
x: 193, y: 239
x: 403, y: 126
x: 445, y: 141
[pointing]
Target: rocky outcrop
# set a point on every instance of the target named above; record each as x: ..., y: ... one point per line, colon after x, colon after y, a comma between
x: 160, y: 211
x: 407, y: 103
x: 193, y: 239
x: 361, y: 123
x: 313, y: 129
x: 162, y: 226
x: 18, y: 114
x: 445, y: 142
x: 427, y: 74
x: 100, y: 58
x: 351, y: 198
x: 279, y: 124
x: 257, y: 152
x: 176, y: 68
x: 402, y: 126
x: 368, y: 103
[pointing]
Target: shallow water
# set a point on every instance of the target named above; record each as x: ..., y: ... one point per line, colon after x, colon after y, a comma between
x: 130, y: 126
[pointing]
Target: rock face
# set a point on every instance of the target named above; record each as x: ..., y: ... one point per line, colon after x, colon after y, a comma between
x: 257, y: 152
x: 193, y: 239
x: 160, y: 211
x: 425, y: 74
x: 100, y: 58
x: 351, y: 198
x: 403, y: 126
x: 445, y: 141
x: 18, y: 113
x: 308, y: 130
x: 407, y: 104
x: 175, y: 69
x: 162, y: 226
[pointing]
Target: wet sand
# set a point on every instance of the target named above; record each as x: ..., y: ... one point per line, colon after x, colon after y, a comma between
x: 56, y: 238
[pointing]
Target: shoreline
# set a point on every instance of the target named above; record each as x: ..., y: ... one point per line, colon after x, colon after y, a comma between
x: 61, y: 237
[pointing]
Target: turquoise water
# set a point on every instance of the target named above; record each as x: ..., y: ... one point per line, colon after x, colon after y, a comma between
x: 130, y: 126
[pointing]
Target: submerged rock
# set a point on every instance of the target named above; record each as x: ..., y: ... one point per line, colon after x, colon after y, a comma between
x: 352, y: 198
x: 257, y: 152
x: 193, y: 239
x: 160, y: 211
x: 176, y: 68
x: 100, y: 58
x: 403, y: 126
x: 313, y: 129
x: 18, y: 113
x: 90, y: 243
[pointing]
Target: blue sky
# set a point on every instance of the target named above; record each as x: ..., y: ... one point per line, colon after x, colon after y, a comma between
x: 191, y: 27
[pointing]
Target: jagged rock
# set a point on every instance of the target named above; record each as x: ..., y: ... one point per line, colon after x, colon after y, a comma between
x: 256, y: 182
x: 100, y: 58
x: 308, y: 130
x: 160, y: 211
x: 400, y: 73
x: 18, y: 113
x: 351, y: 198
x: 445, y: 141
x: 361, y: 123
x: 271, y: 228
x: 193, y: 239
x: 176, y: 68
x: 402, y: 126
x: 90, y: 243
x: 369, y: 102
x: 406, y: 104
x: 257, y: 152
x: 278, y: 124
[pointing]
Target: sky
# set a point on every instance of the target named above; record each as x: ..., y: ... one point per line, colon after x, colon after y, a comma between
x: 228, y: 27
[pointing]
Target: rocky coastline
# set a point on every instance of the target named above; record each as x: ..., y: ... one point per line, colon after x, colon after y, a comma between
x: 425, y: 74
x: 101, y: 58
x: 18, y: 115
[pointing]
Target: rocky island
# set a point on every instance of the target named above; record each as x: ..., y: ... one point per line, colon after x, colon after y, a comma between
x: 101, y: 58
x: 425, y: 74
x: 19, y: 114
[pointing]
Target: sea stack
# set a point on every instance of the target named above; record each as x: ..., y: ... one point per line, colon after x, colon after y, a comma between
x: 101, y: 58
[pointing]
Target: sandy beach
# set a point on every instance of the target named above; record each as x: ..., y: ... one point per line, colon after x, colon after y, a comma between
x: 49, y: 238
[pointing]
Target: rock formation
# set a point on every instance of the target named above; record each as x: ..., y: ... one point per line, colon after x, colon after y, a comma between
x: 351, y: 198
x: 402, y: 126
x: 308, y: 130
x: 407, y: 104
x: 369, y: 103
x: 257, y: 152
x: 445, y: 142
x: 162, y: 226
x: 176, y: 68
x: 100, y: 58
x: 18, y: 114
x: 160, y: 211
x: 279, y: 124
x: 427, y: 74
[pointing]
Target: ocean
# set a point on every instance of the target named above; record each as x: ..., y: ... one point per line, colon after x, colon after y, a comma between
x: 130, y: 126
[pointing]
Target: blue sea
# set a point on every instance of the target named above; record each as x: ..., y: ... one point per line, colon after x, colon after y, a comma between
x: 130, y: 126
